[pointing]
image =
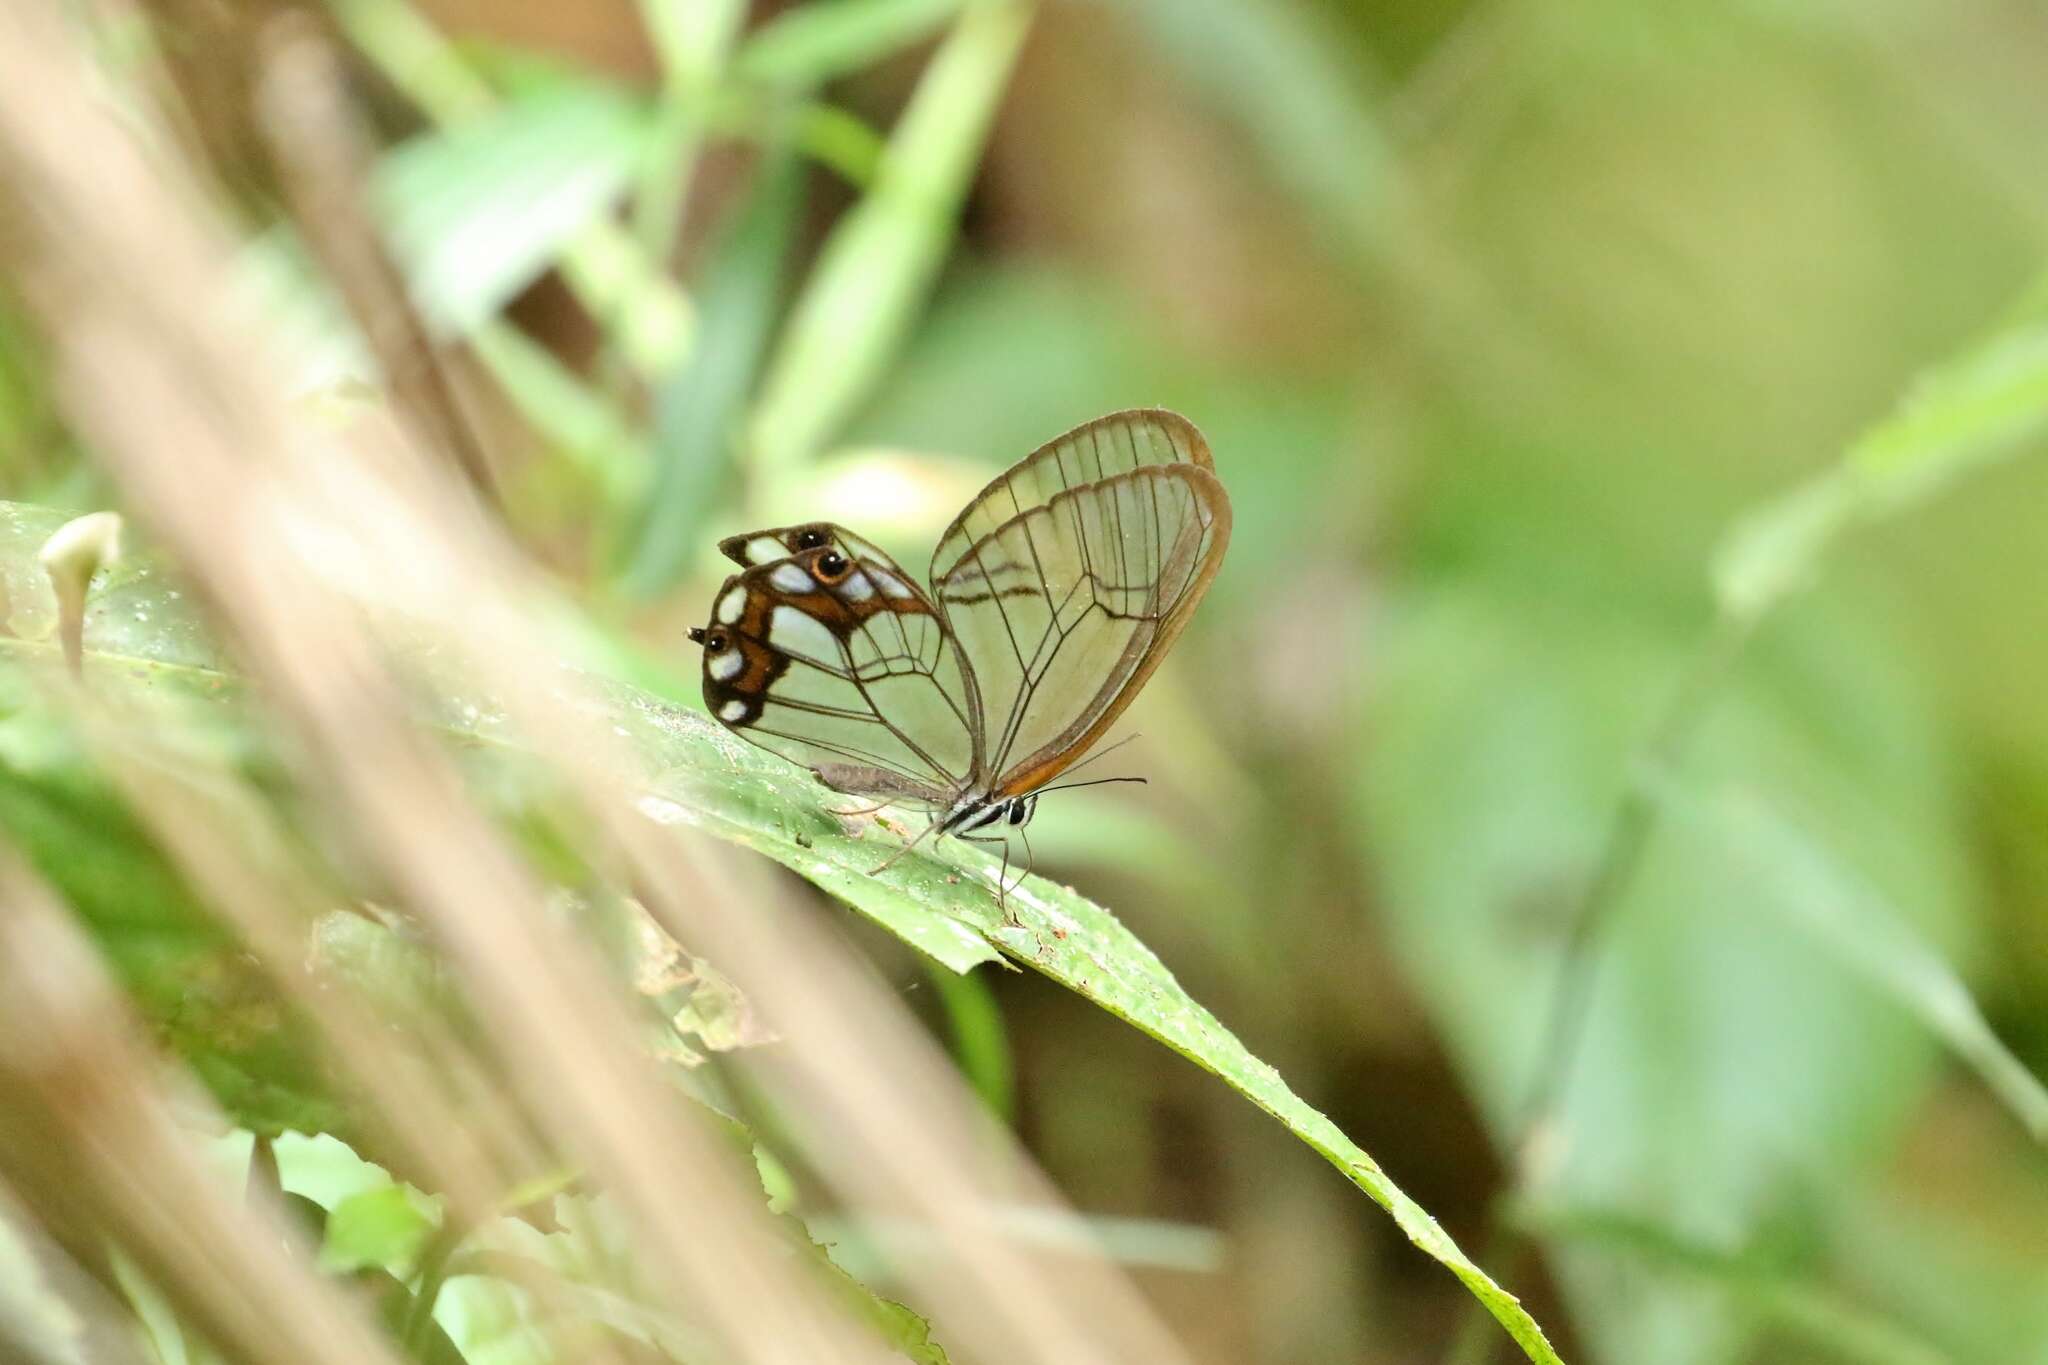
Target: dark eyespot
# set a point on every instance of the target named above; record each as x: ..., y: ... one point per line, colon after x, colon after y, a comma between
x: 714, y: 640
x: 832, y: 564
x: 811, y: 539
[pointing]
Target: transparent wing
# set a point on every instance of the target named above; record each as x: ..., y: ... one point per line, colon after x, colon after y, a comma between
x: 844, y: 666
x: 1065, y: 582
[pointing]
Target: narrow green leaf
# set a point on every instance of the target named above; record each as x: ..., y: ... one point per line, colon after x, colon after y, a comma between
x: 699, y: 408
x: 1985, y: 402
x: 879, y: 263
x: 1799, y: 1309
x: 156, y: 1321
x: 588, y: 430
x: 417, y: 59
x: 1778, y: 549
x: 942, y: 903
x: 692, y: 38
x: 807, y: 45
x: 609, y: 273
x: 1820, y: 896
x: 980, y: 1044
x: 1988, y: 402
x: 383, y: 1228
x: 477, y: 213
x: 1082, y: 946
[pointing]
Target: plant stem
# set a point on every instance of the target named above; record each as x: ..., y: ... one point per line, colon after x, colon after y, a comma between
x: 1621, y: 855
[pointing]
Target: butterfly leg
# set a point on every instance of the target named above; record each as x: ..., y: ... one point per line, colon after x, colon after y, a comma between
x: 890, y: 861
x: 1002, y: 877
x: 859, y: 812
x: 853, y: 821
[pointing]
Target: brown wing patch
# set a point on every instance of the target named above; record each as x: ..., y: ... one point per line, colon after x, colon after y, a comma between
x: 739, y: 668
x: 779, y: 542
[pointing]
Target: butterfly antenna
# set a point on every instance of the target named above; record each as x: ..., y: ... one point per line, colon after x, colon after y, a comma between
x: 1093, y: 782
x: 1105, y: 753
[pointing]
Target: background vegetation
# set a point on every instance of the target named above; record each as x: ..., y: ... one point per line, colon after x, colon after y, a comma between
x: 1608, y: 779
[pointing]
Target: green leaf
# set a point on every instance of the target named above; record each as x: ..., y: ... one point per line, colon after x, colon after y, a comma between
x: 980, y: 1046
x: 1725, y: 1064
x: 699, y: 775
x: 1817, y: 895
x: 699, y: 409
x: 591, y: 431
x: 1990, y: 401
x: 876, y: 268
x: 1986, y: 402
x: 1796, y: 1309
x: 477, y: 213
x: 200, y: 994
x: 807, y: 45
x: 383, y: 1228
x: 609, y: 273
x: 325, y: 1170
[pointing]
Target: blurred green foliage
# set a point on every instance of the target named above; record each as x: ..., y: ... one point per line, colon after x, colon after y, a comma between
x: 1543, y: 347
x: 254, y: 1053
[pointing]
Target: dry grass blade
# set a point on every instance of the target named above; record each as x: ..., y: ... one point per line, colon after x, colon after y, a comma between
x: 324, y: 158
x: 98, y: 1328
x: 291, y: 534
x: 187, y: 440
x: 432, y: 1102
x: 87, y: 1136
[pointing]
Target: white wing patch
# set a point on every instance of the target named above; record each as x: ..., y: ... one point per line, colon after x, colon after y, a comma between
x: 791, y: 578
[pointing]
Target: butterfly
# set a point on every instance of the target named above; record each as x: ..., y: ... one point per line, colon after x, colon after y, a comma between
x: 1053, y: 596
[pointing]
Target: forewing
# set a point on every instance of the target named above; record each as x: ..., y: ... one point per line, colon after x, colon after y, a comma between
x: 1067, y: 579
x: 845, y: 670
x: 780, y: 542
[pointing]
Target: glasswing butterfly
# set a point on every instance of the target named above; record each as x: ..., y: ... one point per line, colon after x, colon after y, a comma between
x: 1053, y: 596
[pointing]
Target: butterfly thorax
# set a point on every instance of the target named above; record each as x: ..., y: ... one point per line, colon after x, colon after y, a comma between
x: 976, y: 811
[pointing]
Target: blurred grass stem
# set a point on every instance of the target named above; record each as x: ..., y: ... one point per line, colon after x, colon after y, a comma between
x: 324, y: 156
x: 1621, y: 854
